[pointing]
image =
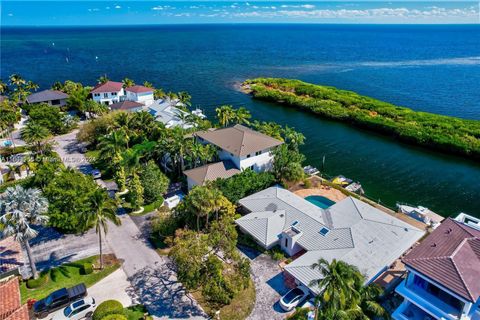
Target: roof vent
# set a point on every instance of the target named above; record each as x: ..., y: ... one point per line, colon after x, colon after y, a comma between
x: 294, y: 223
x: 282, y: 215
x: 449, y: 230
x: 433, y: 245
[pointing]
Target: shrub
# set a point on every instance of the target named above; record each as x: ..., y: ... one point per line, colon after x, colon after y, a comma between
x: 154, y: 182
x: 115, y: 316
x: 87, y: 268
x: 36, y: 283
x: 109, y: 307
x: 277, y: 254
x: 307, y: 183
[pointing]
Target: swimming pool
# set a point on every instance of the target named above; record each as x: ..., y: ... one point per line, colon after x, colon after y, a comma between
x: 320, y: 201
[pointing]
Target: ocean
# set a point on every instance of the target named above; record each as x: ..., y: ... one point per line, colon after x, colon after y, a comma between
x: 433, y: 68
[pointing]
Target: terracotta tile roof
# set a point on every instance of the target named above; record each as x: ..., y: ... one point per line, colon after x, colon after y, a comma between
x: 9, y: 298
x: 125, y: 105
x: 450, y: 256
x: 20, y: 314
x: 11, y: 255
x: 46, y: 95
x: 139, y: 89
x: 109, y: 86
x: 211, y: 172
x: 239, y: 140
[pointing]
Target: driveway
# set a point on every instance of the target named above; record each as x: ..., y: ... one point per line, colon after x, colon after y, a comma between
x: 152, y: 276
x: 70, y: 151
x: 269, y: 286
x: 52, y: 248
x: 115, y: 286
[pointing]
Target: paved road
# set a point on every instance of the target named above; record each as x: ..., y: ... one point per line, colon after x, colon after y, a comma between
x: 269, y: 286
x: 152, y: 276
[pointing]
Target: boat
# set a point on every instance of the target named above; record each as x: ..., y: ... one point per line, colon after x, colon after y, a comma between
x: 342, y: 181
x: 355, y: 187
x: 422, y: 214
x: 310, y: 170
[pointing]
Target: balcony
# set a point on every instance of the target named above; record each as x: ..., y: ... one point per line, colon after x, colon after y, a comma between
x: 428, y: 302
x: 409, y: 311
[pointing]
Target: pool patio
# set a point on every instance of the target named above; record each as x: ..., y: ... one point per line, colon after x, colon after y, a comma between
x: 322, y: 190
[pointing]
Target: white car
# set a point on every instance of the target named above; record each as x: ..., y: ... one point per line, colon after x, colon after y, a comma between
x: 96, y: 174
x: 77, y: 310
x: 294, y: 298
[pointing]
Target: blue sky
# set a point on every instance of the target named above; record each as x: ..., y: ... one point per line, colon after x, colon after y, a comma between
x: 41, y: 13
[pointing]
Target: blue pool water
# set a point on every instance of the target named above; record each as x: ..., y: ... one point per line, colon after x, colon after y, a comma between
x: 320, y: 201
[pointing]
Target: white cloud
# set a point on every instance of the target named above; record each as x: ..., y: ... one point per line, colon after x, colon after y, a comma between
x: 304, y: 6
x: 108, y: 8
x: 10, y: 14
x: 118, y: 7
x: 157, y: 8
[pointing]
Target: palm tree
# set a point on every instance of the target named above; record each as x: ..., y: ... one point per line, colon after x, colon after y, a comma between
x: 159, y: 93
x: 30, y: 85
x: 103, y: 79
x: 128, y: 82
x: 20, y: 208
x: 112, y: 145
x: 242, y: 115
x: 35, y: 135
x: 338, y: 283
x: 16, y: 80
x: 148, y: 84
x: 103, y: 210
x: 3, y: 87
x: 225, y: 115
x: 57, y: 85
x: 185, y: 98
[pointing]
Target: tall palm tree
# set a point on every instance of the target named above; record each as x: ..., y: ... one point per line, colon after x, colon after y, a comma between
x: 185, y: 98
x: 103, y: 79
x: 103, y: 210
x: 30, y: 85
x: 128, y: 82
x: 242, y: 116
x: 35, y: 134
x: 112, y: 145
x: 225, y: 115
x: 338, y: 283
x: 20, y: 208
x: 16, y: 80
x: 148, y: 84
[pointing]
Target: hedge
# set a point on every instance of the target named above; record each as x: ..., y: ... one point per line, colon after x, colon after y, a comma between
x: 37, y: 283
x: 115, y: 317
x: 87, y: 268
x: 109, y: 307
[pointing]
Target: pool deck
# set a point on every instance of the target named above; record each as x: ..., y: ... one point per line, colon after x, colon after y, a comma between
x: 324, y: 191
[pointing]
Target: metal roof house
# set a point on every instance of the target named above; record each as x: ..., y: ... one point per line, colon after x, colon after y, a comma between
x: 350, y: 230
x: 52, y: 97
x: 443, y: 279
x: 238, y: 145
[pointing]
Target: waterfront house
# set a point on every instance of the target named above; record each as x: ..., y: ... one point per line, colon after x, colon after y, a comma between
x: 108, y: 93
x: 350, y: 230
x: 140, y: 94
x: 443, y: 280
x: 239, y: 148
x: 166, y: 111
x: 52, y: 97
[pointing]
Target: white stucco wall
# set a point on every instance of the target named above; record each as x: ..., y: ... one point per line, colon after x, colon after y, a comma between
x: 108, y: 97
x: 260, y: 163
x: 144, y: 97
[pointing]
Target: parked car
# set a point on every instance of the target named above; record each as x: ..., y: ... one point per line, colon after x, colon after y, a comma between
x: 96, y: 174
x: 59, y: 299
x: 78, y: 310
x: 294, y: 297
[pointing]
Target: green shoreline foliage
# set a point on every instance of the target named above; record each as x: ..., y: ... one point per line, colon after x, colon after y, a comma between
x: 442, y: 133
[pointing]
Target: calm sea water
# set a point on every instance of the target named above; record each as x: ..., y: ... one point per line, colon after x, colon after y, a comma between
x: 429, y: 68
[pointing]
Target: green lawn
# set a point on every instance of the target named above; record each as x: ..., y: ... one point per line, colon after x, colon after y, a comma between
x: 67, y: 275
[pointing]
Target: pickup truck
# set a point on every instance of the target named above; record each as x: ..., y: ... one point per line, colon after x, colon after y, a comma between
x: 59, y: 299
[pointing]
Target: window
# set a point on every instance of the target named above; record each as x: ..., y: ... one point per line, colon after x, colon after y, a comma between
x: 258, y: 153
x: 294, y: 223
x: 248, y: 155
x: 105, y: 95
x: 55, y: 102
x: 114, y: 93
x: 251, y: 167
x: 324, y: 231
x: 286, y: 242
x: 96, y: 94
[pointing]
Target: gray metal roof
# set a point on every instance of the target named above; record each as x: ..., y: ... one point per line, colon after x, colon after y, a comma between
x: 46, y: 95
x: 212, y: 171
x: 359, y: 234
x: 164, y: 111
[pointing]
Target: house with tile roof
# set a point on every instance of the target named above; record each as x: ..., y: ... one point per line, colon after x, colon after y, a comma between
x: 443, y: 280
x: 108, y: 93
x: 10, y: 306
x: 167, y: 111
x: 350, y: 230
x: 238, y: 145
x: 11, y: 257
x: 52, y: 97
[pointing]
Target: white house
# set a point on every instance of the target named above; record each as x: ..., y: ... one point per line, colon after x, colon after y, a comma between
x: 140, y: 94
x: 108, y: 92
x: 239, y: 147
x: 443, y: 280
x: 165, y: 111
x: 350, y: 230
